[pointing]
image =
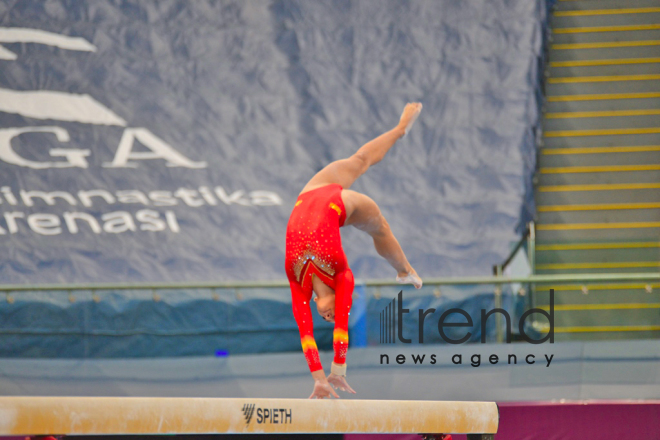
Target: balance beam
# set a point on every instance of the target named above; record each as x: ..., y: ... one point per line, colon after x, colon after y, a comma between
x: 159, y: 415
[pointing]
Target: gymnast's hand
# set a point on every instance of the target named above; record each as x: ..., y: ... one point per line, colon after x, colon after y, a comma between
x: 339, y: 382
x: 323, y: 389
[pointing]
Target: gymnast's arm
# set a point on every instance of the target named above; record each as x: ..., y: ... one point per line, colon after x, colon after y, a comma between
x: 303, y: 316
x: 364, y: 214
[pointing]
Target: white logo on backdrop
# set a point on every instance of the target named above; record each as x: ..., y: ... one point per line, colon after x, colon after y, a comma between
x: 24, y: 35
x: 60, y: 106
x: 83, y: 108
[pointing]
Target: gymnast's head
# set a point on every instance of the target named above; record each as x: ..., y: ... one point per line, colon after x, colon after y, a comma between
x: 324, y: 299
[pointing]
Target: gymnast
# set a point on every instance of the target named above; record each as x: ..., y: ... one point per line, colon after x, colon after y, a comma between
x: 315, y: 260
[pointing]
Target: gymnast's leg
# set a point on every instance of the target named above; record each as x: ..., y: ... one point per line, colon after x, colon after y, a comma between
x: 346, y: 171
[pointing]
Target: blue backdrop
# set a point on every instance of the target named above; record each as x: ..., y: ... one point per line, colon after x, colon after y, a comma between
x: 168, y: 140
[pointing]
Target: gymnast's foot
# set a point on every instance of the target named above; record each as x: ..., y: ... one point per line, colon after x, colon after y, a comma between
x: 409, y: 277
x: 409, y: 116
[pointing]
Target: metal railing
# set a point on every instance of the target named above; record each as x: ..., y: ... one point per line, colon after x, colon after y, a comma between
x: 446, y: 281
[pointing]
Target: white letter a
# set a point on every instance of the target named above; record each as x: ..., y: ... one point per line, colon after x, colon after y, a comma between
x: 159, y: 150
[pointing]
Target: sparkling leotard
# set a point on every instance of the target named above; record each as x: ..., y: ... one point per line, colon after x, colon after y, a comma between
x: 313, y: 246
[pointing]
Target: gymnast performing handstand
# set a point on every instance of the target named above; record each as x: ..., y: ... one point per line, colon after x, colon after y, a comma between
x: 315, y: 260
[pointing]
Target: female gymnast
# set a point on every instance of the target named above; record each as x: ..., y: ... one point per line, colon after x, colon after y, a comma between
x: 315, y: 261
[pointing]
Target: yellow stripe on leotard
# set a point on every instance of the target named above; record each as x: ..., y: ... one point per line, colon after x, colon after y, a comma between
x: 340, y: 335
x: 308, y: 343
x: 335, y: 207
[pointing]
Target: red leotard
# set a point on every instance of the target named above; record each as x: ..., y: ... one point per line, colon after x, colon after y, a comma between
x: 313, y: 246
